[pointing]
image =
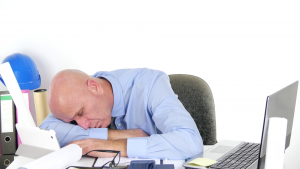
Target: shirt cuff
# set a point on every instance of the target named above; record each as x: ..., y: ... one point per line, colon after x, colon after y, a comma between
x: 137, y: 147
x: 98, y: 133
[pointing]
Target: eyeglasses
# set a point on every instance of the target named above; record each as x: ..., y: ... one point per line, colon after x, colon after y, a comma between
x: 112, y: 164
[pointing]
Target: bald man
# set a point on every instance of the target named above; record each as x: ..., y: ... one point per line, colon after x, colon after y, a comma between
x: 134, y: 111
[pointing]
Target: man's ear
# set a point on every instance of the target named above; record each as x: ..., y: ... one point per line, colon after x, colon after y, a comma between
x: 94, y: 87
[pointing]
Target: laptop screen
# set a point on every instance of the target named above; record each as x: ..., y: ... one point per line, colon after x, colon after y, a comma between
x: 279, y: 104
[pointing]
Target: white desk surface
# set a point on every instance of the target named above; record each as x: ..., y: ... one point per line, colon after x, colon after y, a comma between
x: 86, y: 161
x: 177, y: 163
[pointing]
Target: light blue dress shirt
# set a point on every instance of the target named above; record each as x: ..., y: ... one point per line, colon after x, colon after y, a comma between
x: 143, y: 99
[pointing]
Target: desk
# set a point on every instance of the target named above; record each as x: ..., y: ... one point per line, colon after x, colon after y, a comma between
x: 177, y: 163
x: 87, y: 161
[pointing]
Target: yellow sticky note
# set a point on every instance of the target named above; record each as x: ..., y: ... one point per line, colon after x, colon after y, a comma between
x: 204, y: 162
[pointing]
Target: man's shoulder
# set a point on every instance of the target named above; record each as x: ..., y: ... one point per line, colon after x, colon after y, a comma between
x: 136, y: 73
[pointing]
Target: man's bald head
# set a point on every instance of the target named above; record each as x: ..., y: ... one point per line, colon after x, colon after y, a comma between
x: 66, y: 85
x: 74, y: 95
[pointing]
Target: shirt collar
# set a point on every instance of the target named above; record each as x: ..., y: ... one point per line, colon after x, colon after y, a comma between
x: 118, y: 107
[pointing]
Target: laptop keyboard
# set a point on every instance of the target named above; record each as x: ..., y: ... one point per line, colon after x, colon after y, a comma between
x: 242, y: 158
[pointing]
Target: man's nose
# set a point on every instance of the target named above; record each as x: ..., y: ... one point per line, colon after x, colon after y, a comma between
x: 82, y: 122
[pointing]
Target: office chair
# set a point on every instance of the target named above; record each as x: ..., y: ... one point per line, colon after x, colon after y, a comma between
x: 196, y: 96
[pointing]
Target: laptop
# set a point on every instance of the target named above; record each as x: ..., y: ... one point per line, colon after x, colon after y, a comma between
x: 245, y: 155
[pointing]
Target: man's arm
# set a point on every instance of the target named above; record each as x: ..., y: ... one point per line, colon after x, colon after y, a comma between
x: 117, y: 140
x: 67, y: 132
x: 124, y: 134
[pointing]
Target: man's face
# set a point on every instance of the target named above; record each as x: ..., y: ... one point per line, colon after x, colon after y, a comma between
x: 88, y: 111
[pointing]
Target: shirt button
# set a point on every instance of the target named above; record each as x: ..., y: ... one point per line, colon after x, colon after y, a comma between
x: 119, y: 124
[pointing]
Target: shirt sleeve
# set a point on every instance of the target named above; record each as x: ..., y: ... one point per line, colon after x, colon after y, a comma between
x: 180, y: 138
x: 66, y: 132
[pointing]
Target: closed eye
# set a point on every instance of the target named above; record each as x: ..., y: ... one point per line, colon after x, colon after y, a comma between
x: 78, y: 114
x: 81, y: 113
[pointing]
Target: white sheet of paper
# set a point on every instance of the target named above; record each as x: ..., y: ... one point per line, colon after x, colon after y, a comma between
x: 59, y: 159
x: 20, y: 161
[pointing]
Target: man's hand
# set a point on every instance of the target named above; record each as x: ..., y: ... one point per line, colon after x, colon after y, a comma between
x: 124, y: 134
x: 117, y: 140
x: 98, y: 144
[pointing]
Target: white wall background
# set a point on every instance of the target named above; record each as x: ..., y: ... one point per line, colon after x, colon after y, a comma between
x: 245, y: 50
